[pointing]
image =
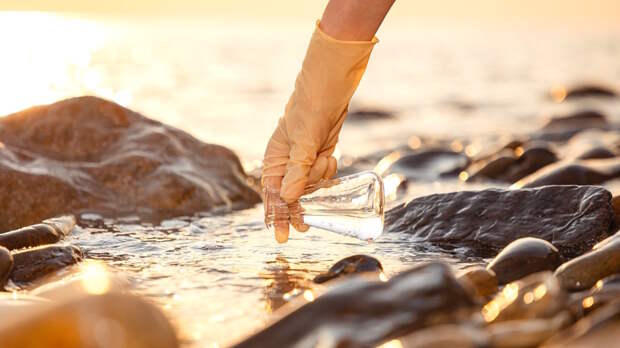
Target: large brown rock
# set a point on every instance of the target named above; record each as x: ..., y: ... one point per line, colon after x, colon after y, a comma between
x: 89, y: 154
x: 572, y: 218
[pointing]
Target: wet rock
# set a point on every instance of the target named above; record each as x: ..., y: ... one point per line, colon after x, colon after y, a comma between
x: 6, y: 265
x: 34, y: 263
x: 602, y: 293
x: 482, y: 280
x: 369, y: 114
x: 350, y: 265
x: 562, y: 128
x: 592, y: 144
x: 440, y: 336
x: 597, y: 153
x: 108, y: 320
x: 515, y: 165
x: 429, y: 164
x: 89, y: 154
x: 524, y: 256
x: 562, y: 93
x: 536, y: 296
x: 599, y: 329
x: 584, y: 271
x: 615, y: 202
x: 49, y: 232
x: 349, y: 312
x: 586, y: 172
x: 30, y: 236
x: 525, y: 333
x: 62, y: 224
x: 579, y: 120
x: 508, y: 334
x: 572, y: 218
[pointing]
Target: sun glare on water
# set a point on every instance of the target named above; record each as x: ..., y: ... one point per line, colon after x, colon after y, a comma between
x: 47, y: 57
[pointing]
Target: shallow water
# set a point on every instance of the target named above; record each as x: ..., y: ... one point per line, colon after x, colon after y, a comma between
x: 219, y: 277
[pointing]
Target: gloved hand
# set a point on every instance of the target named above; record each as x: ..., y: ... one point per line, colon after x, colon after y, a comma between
x: 300, y: 150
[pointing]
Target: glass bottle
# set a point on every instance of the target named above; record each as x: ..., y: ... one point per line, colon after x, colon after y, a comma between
x: 351, y: 205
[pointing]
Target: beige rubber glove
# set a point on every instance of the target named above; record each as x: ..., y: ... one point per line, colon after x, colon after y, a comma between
x: 299, y: 151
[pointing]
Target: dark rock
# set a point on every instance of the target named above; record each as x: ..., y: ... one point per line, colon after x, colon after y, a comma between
x: 62, y: 224
x: 615, y: 202
x: 597, y: 153
x: 582, y: 91
x: 515, y: 166
x: 482, y: 280
x: 429, y: 164
x: 29, y: 236
x: 6, y: 265
x: 350, y: 265
x: 586, y: 172
x: 525, y: 332
x: 584, y: 271
x: 536, y: 296
x: 370, y: 114
x: 584, y: 119
x: 525, y: 256
x: 348, y: 314
x: 448, y: 335
x: 602, y: 293
x: 89, y: 154
x: 508, y: 334
x: 562, y: 128
x: 599, y: 329
x: 572, y: 218
x: 34, y: 263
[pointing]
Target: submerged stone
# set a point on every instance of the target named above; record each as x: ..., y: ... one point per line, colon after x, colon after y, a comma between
x: 348, y: 313
x: 350, y: 265
x: 6, y: 265
x: 584, y: 271
x: 525, y: 256
x: 89, y: 154
x: 34, y: 263
x: 572, y: 218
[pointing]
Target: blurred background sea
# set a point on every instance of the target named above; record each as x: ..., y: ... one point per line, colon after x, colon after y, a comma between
x: 226, y: 81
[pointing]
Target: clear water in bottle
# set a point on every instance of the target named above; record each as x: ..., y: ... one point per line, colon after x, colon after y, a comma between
x: 352, y: 205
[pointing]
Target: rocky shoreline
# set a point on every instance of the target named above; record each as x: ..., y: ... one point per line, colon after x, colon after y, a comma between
x: 552, y: 236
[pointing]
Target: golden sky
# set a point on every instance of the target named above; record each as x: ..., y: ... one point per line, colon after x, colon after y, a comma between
x: 552, y: 12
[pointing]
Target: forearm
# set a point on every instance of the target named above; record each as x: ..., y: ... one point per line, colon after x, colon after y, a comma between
x: 354, y: 20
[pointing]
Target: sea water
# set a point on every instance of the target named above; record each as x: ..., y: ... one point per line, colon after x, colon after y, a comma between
x: 360, y: 227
